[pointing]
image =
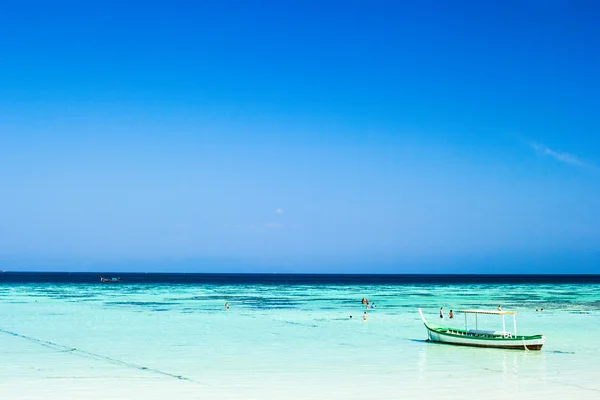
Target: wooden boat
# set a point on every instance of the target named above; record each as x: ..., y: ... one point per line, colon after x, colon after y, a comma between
x: 110, y: 280
x: 483, y: 338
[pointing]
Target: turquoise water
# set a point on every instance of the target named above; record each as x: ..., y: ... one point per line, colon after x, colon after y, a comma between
x: 152, y: 341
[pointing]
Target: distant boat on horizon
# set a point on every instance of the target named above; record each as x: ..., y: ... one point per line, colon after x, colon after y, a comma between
x: 110, y: 280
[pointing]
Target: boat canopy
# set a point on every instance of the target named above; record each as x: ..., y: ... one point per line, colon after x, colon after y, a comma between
x: 488, y: 312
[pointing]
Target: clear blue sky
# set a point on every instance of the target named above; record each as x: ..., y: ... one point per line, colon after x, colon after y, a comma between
x: 300, y: 136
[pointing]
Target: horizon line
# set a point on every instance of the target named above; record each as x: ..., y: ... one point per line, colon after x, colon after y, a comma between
x: 297, y: 273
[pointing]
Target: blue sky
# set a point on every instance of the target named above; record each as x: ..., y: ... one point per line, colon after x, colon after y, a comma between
x: 300, y: 136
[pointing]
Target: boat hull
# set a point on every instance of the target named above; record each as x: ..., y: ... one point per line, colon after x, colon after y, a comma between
x: 517, y: 343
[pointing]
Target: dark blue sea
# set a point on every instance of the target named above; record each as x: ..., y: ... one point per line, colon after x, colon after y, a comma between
x: 290, y: 279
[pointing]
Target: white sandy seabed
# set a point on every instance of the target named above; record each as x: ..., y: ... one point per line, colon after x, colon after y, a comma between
x: 178, y: 342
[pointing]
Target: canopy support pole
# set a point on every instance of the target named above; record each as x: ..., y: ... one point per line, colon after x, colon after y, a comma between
x: 503, y: 324
x: 515, y: 323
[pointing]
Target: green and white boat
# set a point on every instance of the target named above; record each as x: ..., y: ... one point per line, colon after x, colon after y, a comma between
x: 483, y: 338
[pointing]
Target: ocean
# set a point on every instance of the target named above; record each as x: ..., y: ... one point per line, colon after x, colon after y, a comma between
x: 157, y: 336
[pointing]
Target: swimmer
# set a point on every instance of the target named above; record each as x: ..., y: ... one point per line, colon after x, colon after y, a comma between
x: 441, y: 312
x: 227, y: 305
x: 450, y: 314
x: 365, y: 316
x: 499, y: 307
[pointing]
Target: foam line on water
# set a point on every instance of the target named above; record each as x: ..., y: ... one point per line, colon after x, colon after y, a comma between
x: 84, y: 353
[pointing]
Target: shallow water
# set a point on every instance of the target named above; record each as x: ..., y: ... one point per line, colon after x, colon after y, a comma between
x: 293, y: 341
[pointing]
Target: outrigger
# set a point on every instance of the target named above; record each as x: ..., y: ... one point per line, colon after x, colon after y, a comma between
x: 482, y: 338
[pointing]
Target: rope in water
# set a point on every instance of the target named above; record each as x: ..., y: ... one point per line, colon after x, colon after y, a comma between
x: 83, y: 353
